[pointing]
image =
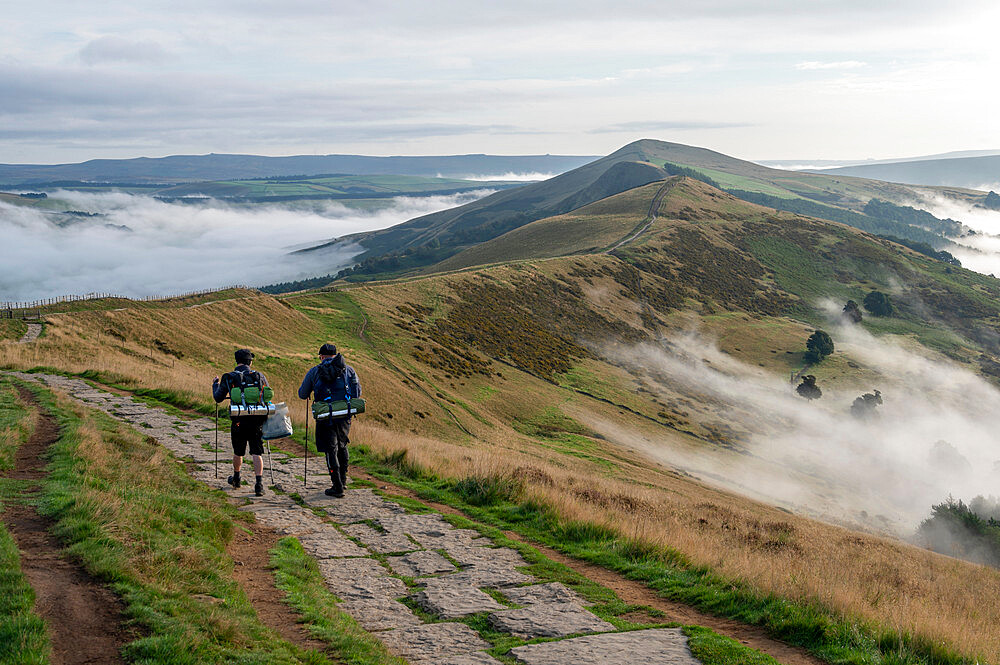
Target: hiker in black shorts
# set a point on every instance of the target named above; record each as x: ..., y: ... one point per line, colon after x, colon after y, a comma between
x: 245, y: 430
x: 332, y: 378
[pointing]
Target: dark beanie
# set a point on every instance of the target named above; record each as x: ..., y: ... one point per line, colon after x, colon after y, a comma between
x: 243, y: 356
x: 328, y: 350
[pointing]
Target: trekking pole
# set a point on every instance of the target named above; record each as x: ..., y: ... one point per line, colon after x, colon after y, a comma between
x: 305, y: 472
x: 270, y: 468
x: 216, y: 439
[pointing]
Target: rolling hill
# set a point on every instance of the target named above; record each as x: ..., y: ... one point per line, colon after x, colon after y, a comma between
x: 431, y: 238
x: 968, y: 172
x: 195, y: 168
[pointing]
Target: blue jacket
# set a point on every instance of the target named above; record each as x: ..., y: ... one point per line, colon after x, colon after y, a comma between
x: 311, y: 380
x: 220, y: 389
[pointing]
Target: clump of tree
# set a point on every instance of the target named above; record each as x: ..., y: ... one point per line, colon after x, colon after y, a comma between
x: 992, y: 201
x: 864, y: 406
x: 925, y: 249
x: 851, y: 312
x: 808, y: 388
x: 879, y: 304
x: 970, y: 532
x: 818, y: 346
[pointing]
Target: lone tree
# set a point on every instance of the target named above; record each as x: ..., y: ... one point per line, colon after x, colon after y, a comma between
x: 864, y: 406
x: 818, y: 346
x: 851, y: 312
x: 808, y: 388
x: 878, y: 304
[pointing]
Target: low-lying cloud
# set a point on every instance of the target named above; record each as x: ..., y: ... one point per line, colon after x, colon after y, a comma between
x: 979, y: 251
x: 140, y: 246
x: 934, y: 435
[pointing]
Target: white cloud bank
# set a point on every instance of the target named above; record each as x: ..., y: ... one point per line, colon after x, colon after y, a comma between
x: 815, y: 456
x: 171, y: 248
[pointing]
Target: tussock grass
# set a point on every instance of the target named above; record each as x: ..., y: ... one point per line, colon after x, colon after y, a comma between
x: 23, y: 637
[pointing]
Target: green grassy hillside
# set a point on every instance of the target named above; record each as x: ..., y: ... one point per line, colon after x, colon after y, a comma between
x: 438, y: 236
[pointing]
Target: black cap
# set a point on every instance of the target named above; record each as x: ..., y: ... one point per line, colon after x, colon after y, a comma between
x: 244, y: 356
x: 328, y: 350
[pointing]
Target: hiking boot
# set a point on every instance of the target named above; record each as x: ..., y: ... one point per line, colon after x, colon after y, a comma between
x: 334, y: 492
x: 258, y: 488
x: 234, y: 480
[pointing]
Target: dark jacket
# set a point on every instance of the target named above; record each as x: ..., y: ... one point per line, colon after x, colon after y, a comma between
x: 220, y: 389
x: 309, y: 383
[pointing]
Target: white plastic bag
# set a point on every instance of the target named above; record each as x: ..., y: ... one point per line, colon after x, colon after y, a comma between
x: 279, y: 424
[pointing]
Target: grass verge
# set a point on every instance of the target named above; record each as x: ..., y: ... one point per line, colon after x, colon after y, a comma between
x: 826, y: 634
x: 299, y: 577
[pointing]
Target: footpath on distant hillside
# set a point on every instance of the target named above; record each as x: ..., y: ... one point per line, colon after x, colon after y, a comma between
x: 405, y: 576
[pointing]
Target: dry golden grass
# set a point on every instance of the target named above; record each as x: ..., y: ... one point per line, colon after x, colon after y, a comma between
x: 887, y: 582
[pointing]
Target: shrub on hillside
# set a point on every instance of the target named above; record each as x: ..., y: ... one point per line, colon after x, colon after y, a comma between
x: 864, y: 406
x: 808, y: 388
x: 818, y: 346
x: 851, y: 312
x: 879, y: 304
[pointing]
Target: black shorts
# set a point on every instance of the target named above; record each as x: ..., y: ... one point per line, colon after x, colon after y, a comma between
x: 248, y: 430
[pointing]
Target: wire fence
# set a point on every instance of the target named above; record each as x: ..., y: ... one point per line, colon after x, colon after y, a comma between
x: 17, y: 309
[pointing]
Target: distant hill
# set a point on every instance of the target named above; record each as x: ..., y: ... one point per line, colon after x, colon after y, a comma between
x: 823, y: 164
x: 435, y: 237
x: 969, y: 172
x: 195, y: 168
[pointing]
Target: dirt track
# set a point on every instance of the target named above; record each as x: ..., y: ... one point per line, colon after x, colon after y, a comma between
x: 84, y: 618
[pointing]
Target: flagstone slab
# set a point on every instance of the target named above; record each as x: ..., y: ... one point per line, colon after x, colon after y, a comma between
x: 474, y: 658
x: 663, y: 646
x: 330, y: 544
x: 475, y: 554
x: 380, y: 613
x: 553, y: 592
x: 548, y: 620
x: 377, y: 541
x: 358, y: 505
x: 353, y: 579
x: 433, y: 641
x: 491, y: 575
x: 450, y: 600
x: 419, y: 564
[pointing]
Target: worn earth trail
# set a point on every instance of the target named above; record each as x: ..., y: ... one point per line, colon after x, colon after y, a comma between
x: 373, y: 554
x: 84, y: 619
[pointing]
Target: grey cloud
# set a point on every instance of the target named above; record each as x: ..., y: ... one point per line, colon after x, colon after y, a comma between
x: 111, y: 48
x: 665, y: 125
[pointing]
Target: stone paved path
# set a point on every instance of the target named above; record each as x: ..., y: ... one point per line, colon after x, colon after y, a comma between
x: 420, y: 558
x: 34, y: 330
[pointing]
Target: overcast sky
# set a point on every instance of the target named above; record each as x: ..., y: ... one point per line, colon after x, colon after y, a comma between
x: 757, y: 79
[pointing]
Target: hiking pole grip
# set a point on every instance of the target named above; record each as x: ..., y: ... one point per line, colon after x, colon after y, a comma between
x: 305, y: 472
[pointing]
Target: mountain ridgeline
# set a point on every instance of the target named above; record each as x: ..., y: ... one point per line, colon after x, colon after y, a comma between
x: 876, y: 207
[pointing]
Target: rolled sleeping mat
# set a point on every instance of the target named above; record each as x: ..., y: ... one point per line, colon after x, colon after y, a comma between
x: 338, y: 408
x: 251, y: 410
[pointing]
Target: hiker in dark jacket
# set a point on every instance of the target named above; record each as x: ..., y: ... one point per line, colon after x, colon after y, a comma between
x: 331, y: 379
x: 244, y: 429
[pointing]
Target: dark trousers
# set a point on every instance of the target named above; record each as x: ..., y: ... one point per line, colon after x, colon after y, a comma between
x: 332, y: 439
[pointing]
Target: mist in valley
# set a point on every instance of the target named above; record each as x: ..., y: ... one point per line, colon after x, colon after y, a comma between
x: 934, y: 435
x: 138, y: 246
x: 979, y: 251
